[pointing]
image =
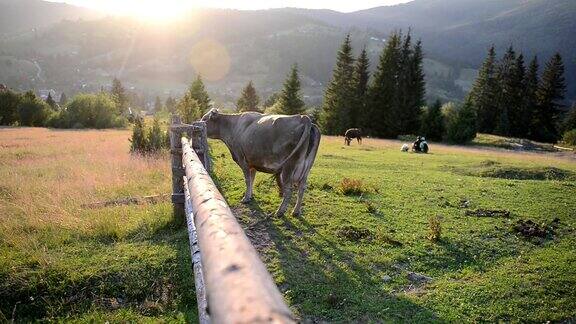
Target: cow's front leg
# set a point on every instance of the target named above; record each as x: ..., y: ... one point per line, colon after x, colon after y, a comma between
x: 249, y: 175
x: 286, y: 196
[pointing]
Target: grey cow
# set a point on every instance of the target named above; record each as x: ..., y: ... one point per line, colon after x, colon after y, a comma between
x: 285, y: 146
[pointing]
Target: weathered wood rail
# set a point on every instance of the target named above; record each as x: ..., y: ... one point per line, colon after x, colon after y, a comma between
x: 232, y: 283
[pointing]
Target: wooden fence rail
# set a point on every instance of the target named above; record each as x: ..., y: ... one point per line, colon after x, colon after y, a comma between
x: 235, y: 283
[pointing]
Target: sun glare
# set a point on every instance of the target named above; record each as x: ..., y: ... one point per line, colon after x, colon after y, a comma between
x: 149, y: 10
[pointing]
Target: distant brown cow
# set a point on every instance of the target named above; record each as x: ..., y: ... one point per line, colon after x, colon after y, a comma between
x: 351, y: 134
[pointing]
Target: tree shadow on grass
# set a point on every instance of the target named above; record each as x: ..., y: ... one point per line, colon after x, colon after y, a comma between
x: 323, y: 282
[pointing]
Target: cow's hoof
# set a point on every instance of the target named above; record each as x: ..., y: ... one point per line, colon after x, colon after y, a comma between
x: 246, y: 200
x: 279, y: 214
x: 296, y: 213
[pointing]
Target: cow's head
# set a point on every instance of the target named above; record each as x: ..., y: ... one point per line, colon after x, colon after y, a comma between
x: 212, y: 123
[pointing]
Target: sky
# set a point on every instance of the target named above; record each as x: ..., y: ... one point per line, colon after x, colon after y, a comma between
x: 165, y: 9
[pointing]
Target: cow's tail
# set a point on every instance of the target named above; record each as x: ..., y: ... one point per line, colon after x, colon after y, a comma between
x: 303, y: 138
x: 312, y: 148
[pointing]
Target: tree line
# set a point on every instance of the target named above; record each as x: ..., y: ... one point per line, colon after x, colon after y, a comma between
x: 511, y: 99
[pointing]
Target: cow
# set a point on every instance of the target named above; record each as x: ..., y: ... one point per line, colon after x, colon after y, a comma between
x: 351, y: 134
x: 284, y: 146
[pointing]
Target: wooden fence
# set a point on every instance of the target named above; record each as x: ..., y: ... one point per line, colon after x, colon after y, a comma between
x: 232, y: 283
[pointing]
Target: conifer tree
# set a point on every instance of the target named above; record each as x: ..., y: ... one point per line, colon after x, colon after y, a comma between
x: 51, y: 102
x: 433, y: 122
x: 198, y: 92
x: 339, y: 94
x: 120, y: 96
x: 189, y: 109
x: 358, y: 115
x: 63, y: 100
x: 530, y: 102
x: 139, y: 141
x: 249, y: 100
x: 462, y: 127
x: 569, y: 122
x: 9, y: 101
x: 484, y: 94
x: 550, y: 96
x: 507, y: 96
x: 155, y: 137
x: 157, y: 105
x: 416, y: 88
x: 170, y: 104
x: 382, y: 90
x: 290, y: 101
x: 271, y: 100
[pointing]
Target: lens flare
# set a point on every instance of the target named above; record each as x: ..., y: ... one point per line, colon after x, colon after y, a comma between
x: 210, y: 59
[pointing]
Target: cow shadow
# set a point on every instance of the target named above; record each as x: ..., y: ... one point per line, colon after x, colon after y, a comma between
x: 321, y: 280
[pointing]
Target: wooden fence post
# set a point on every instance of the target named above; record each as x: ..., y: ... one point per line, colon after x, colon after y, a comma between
x: 177, y: 169
x: 200, y: 144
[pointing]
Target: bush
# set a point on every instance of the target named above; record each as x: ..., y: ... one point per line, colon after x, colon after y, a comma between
x: 352, y: 187
x: 9, y: 101
x: 90, y: 111
x: 461, y: 124
x: 32, y: 111
x: 434, y: 224
x: 139, y: 142
x: 156, y: 137
x: 433, y: 122
x: 569, y: 137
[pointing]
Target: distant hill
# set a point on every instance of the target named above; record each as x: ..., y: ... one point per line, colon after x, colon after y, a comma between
x: 18, y: 16
x: 82, y: 55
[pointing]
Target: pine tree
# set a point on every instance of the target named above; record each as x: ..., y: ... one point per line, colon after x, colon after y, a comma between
x: 462, y: 127
x: 433, y: 122
x: 271, y: 100
x: 416, y: 88
x: 198, y: 92
x: 9, y: 101
x: 506, y: 99
x: 383, y: 89
x: 339, y: 94
x: 530, y: 102
x: 51, y: 102
x: 290, y: 101
x: 63, y: 100
x: 138, y: 142
x: 120, y: 96
x: 170, y: 104
x: 189, y: 109
x: 550, y: 96
x: 157, y: 105
x: 569, y: 122
x: 484, y: 94
x: 155, y: 137
x: 361, y: 77
x: 249, y: 100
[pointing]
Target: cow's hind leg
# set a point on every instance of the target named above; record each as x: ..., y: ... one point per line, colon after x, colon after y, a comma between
x: 286, y: 196
x: 298, y: 207
x: 249, y: 175
x: 278, y: 177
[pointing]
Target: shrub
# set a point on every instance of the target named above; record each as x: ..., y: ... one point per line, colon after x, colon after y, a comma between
x: 569, y: 137
x: 139, y: 141
x: 9, y: 101
x: 461, y: 124
x: 435, y: 227
x: 352, y: 187
x: 90, y: 111
x: 156, y: 137
x: 32, y: 111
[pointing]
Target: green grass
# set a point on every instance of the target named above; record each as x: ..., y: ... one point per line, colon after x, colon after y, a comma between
x: 331, y: 264
x: 346, y: 259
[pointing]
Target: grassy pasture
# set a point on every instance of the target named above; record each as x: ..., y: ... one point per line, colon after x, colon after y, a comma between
x: 350, y: 257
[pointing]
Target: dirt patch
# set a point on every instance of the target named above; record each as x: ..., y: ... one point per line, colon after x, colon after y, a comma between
x: 388, y: 240
x: 488, y: 213
x: 128, y: 201
x: 354, y: 234
x: 514, y: 173
x: 530, y: 229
